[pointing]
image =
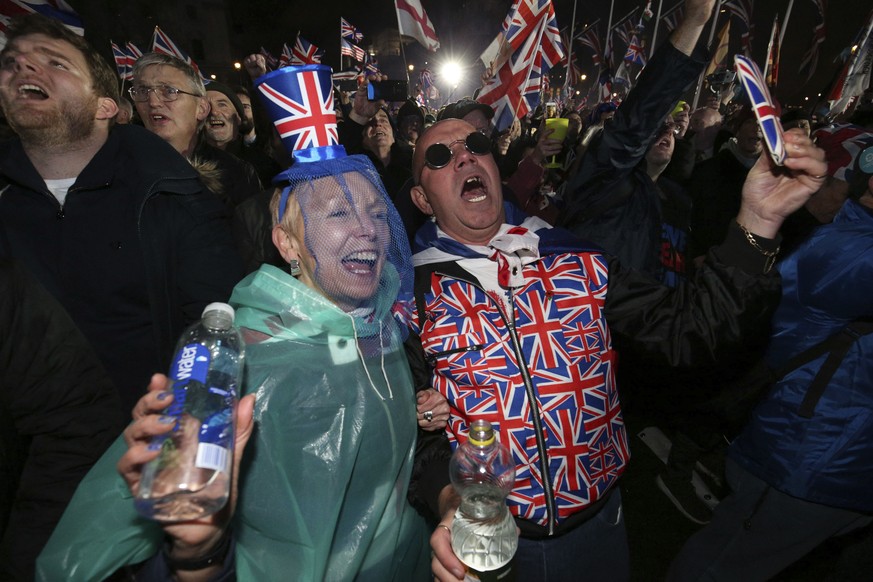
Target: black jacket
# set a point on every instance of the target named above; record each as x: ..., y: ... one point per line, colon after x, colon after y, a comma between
x: 58, y: 413
x: 238, y: 178
x: 136, y: 252
x: 612, y: 175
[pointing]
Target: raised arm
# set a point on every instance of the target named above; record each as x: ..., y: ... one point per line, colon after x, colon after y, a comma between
x: 686, y: 35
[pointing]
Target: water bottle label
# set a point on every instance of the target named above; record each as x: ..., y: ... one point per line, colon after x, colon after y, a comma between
x: 211, y: 406
x: 191, y: 363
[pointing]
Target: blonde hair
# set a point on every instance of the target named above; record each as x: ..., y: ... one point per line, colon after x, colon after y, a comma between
x: 293, y: 226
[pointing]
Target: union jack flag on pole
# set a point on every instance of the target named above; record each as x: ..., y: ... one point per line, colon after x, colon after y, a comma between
x: 428, y: 86
x: 635, y: 52
x: 762, y: 106
x: 123, y: 62
x: 348, y: 30
x: 163, y: 44
x: 305, y: 53
x: 133, y: 51
x: 57, y: 9
x: 514, y: 90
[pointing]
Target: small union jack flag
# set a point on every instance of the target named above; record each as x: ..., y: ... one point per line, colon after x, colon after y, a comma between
x: 163, y: 44
x: 285, y: 57
x: 302, y: 108
x: 133, y: 51
x: 123, y: 62
x: 305, y: 53
x: 635, y: 52
x: 348, y: 30
x: 762, y: 105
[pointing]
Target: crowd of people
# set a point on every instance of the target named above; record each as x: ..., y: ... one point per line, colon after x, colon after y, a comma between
x: 422, y: 272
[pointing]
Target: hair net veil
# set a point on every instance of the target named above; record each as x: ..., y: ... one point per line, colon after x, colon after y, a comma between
x: 355, y: 236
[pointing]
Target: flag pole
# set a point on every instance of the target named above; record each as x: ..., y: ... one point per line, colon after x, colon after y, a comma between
x: 341, y: 68
x: 709, y: 43
x: 770, y: 45
x: 655, y: 31
x: 607, y: 47
x: 402, y: 50
x: 785, y: 22
x: 570, y: 51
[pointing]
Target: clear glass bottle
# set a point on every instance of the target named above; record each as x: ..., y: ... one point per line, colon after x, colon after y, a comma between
x: 484, y: 536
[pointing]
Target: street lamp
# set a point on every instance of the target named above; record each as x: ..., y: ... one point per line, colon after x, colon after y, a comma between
x: 452, y: 73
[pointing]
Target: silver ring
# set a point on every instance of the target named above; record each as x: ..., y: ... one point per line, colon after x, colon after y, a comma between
x: 428, y: 415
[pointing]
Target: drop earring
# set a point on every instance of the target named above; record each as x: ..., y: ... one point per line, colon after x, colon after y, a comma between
x: 294, y: 267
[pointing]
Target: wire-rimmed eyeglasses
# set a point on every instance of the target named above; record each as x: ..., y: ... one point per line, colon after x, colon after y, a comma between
x: 164, y: 93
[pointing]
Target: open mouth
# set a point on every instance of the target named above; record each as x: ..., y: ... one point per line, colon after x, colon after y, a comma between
x: 360, y: 262
x: 216, y: 123
x: 30, y: 91
x: 474, y: 189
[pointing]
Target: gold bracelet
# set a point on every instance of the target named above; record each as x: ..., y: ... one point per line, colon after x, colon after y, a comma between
x: 771, y: 255
x: 445, y: 527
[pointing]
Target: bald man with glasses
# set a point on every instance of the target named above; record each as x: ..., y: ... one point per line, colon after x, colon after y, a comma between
x: 516, y: 322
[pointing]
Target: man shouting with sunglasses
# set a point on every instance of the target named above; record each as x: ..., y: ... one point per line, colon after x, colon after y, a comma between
x: 517, y: 319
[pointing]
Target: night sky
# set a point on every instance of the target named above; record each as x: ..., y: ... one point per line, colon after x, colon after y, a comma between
x: 465, y: 28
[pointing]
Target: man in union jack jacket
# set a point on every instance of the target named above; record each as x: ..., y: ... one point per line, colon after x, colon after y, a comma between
x: 517, y: 320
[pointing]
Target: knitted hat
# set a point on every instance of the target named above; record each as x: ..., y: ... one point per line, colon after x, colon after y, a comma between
x: 230, y: 94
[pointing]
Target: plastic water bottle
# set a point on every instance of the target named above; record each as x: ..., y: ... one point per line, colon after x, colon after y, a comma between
x: 484, y: 537
x: 191, y: 476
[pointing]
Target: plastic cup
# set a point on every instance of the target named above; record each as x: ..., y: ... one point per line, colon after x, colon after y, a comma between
x: 558, y: 125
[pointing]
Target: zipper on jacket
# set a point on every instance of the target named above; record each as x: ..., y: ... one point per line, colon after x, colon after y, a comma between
x: 535, y: 417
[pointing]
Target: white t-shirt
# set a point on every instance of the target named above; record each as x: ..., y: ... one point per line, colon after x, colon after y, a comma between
x: 59, y: 188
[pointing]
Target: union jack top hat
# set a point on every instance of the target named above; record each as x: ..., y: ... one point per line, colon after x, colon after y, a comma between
x: 299, y: 100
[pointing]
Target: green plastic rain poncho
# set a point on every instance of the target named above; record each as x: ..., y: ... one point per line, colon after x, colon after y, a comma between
x: 324, y: 477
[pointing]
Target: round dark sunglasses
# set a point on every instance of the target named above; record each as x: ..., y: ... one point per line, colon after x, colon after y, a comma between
x: 439, y: 155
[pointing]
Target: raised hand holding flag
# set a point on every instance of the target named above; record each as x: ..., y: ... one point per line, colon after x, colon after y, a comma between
x: 762, y: 106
